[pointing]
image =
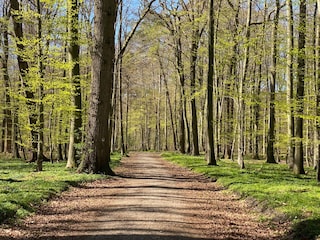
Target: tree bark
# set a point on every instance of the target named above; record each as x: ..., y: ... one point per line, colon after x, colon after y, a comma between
x: 7, y: 123
x: 210, y: 154
x: 97, y: 143
x: 74, y: 152
x: 243, y: 77
x: 164, y: 76
x: 24, y: 68
x: 40, y: 142
x: 272, y: 85
x: 289, y: 75
x: 298, y: 167
x: 193, y: 63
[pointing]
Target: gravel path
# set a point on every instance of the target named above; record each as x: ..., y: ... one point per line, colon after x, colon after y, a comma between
x: 150, y: 199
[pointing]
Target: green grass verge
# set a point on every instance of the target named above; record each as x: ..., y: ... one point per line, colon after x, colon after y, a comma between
x: 273, y: 185
x: 22, y: 189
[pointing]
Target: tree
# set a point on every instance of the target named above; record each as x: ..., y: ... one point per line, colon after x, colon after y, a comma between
x: 298, y: 167
x: 74, y: 51
x: 289, y: 75
x: 97, y: 147
x: 7, y: 123
x: 241, y: 117
x: 24, y: 70
x: 194, y: 14
x: 272, y: 86
x: 211, y: 160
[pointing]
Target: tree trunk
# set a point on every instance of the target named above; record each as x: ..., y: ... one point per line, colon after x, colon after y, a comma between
x: 298, y: 167
x: 243, y: 77
x: 194, y: 118
x: 165, y: 80
x: 7, y: 124
x: 182, y: 138
x: 272, y: 85
x: 289, y: 75
x: 24, y: 68
x: 120, y: 80
x: 97, y: 143
x: 74, y: 152
x: 210, y: 154
x: 256, y: 110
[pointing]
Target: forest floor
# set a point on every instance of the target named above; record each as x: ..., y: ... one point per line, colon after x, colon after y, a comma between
x: 149, y: 199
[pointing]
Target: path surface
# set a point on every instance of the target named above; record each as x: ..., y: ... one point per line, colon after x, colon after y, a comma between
x: 151, y: 199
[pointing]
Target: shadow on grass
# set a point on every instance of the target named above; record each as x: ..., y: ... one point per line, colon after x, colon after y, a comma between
x: 305, y: 230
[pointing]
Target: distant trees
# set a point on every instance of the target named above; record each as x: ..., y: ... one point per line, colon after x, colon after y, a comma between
x: 257, y: 99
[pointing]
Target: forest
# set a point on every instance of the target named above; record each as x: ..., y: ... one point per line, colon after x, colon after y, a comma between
x: 86, y: 85
x: 239, y: 81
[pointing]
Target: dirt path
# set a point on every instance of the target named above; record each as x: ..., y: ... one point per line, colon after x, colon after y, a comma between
x: 152, y: 199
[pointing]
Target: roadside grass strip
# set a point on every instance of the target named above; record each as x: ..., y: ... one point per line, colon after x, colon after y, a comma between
x: 274, y: 186
x: 22, y: 189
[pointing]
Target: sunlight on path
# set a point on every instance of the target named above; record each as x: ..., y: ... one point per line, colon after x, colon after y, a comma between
x: 150, y: 199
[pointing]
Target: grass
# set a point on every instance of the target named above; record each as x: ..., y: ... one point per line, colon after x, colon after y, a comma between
x: 272, y: 185
x: 22, y: 189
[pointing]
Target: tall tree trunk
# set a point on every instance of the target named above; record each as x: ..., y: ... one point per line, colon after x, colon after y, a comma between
x: 120, y: 80
x: 243, y: 77
x: 298, y: 167
x: 97, y: 143
x: 165, y: 80
x: 272, y: 86
x: 24, y: 68
x: 182, y: 138
x: 256, y: 109
x: 40, y: 146
x: 158, y: 122
x: 289, y: 75
x: 7, y: 124
x: 210, y: 154
x: 74, y: 152
x: 194, y: 118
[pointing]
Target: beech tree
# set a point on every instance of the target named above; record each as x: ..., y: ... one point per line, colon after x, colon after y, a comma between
x: 74, y: 58
x: 272, y: 86
x: 24, y: 69
x: 7, y: 145
x: 97, y: 147
x: 211, y: 160
x: 298, y: 165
